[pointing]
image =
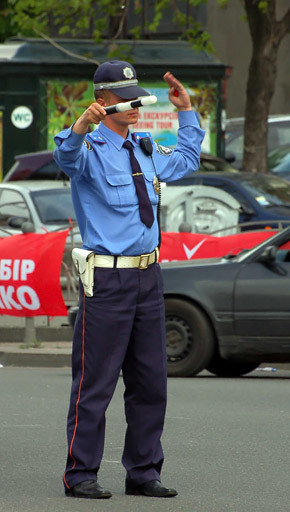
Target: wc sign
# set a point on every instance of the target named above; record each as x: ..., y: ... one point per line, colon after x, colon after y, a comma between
x: 21, y: 117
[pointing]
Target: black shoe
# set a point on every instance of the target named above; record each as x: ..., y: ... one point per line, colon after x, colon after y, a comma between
x: 153, y: 488
x: 89, y: 489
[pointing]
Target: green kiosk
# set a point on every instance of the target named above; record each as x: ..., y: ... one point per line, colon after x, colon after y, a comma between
x: 45, y: 86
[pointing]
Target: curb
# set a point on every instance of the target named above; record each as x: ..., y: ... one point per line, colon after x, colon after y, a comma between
x: 58, y: 355
x: 52, y: 355
x: 17, y: 334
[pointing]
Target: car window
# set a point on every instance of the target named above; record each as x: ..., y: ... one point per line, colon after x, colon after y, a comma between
x: 12, y: 204
x: 54, y: 206
x: 233, y: 191
x: 227, y: 187
x: 236, y: 146
x: 284, y: 165
x: 49, y: 171
x: 268, y: 192
x: 283, y: 255
x: 278, y: 134
x: 279, y: 159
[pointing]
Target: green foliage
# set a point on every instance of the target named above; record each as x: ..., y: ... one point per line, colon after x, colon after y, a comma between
x: 30, y: 16
x: 122, y: 52
x: 6, y: 29
x: 136, y: 32
x: 90, y: 18
x: 223, y: 3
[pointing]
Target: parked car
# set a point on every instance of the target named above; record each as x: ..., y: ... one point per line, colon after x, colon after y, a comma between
x: 279, y: 161
x: 41, y: 206
x: 264, y: 199
x: 278, y: 135
x: 46, y: 205
x: 41, y: 166
x: 229, y: 314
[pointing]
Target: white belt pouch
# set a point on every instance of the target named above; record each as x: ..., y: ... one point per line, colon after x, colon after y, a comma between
x: 85, y: 263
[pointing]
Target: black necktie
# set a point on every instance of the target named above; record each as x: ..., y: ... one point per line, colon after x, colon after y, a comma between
x: 145, y: 206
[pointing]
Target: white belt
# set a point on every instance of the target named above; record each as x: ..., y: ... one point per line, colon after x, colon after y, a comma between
x: 140, y: 262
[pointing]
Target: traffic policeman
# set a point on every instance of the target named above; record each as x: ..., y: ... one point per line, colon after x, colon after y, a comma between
x: 121, y: 321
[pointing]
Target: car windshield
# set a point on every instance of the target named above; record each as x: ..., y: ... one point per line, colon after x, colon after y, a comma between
x: 279, y: 159
x: 54, y: 205
x: 268, y: 190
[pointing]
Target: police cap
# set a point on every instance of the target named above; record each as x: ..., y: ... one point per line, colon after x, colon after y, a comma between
x: 119, y: 77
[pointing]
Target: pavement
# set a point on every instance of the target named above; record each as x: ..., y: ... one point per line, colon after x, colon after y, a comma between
x: 57, y: 354
x: 36, y: 342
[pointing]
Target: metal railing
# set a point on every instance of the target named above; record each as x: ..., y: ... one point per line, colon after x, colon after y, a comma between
x: 278, y: 225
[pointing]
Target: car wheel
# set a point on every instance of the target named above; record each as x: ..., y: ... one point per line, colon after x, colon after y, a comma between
x: 189, y: 339
x: 225, y: 368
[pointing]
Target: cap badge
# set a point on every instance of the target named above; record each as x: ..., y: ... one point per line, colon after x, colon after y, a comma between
x: 128, y: 73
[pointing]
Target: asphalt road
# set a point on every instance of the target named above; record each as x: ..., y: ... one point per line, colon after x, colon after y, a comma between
x: 226, y: 443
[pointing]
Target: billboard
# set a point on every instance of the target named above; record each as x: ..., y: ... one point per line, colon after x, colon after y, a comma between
x: 66, y: 101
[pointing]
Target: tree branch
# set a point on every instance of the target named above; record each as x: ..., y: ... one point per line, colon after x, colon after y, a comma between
x: 122, y: 21
x: 283, y: 26
x: 64, y: 50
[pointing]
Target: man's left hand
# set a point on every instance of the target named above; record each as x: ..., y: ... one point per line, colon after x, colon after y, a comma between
x: 179, y: 99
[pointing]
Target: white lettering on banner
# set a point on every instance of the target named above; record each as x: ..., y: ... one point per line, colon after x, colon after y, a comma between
x: 5, y: 270
x: 23, y: 296
x: 34, y: 303
x: 27, y: 267
x: 16, y: 270
x: 10, y: 269
x: 6, y: 295
x: 27, y: 298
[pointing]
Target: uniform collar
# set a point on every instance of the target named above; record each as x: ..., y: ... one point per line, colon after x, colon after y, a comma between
x: 113, y: 137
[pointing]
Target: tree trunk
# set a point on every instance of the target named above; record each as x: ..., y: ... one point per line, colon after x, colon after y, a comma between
x: 266, y: 34
x: 260, y: 89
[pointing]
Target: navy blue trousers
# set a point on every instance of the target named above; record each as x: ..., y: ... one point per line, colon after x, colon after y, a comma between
x: 121, y: 327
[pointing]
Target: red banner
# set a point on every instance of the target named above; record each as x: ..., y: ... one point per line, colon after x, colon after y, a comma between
x: 189, y: 246
x: 30, y: 274
x: 30, y: 265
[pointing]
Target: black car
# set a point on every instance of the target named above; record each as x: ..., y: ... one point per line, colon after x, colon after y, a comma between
x: 230, y: 314
x: 227, y: 315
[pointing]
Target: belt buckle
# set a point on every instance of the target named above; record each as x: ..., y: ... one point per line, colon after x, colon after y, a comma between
x: 144, y: 261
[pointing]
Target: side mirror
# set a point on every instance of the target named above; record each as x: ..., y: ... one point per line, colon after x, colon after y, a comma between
x: 269, y: 255
x: 27, y: 227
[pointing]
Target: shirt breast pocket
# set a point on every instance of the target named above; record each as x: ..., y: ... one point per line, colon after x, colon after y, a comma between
x: 121, y: 190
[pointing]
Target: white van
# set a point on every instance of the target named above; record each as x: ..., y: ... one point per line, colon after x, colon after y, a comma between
x: 278, y: 135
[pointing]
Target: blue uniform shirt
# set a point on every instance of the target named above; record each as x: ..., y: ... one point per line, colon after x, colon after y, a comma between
x: 103, y: 191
